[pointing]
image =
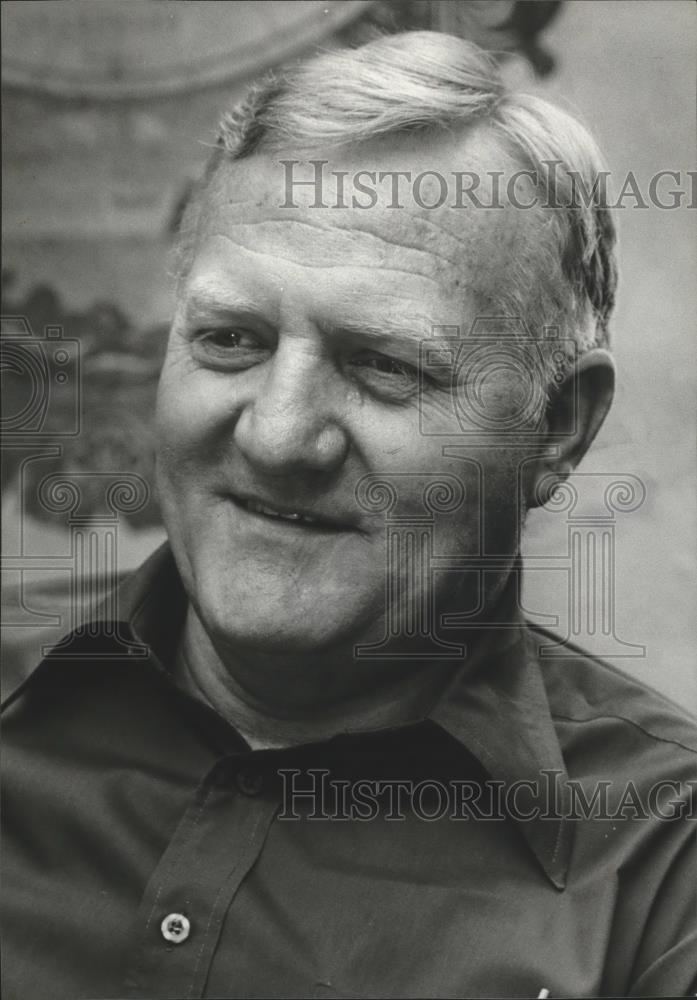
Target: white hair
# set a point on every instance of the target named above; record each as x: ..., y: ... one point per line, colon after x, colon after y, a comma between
x: 424, y: 81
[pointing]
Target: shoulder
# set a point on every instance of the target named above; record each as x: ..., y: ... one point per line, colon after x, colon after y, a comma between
x: 148, y: 599
x: 631, y: 757
x: 600, y: 708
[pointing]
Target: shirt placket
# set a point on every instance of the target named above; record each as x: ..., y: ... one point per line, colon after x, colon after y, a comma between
x: 214, y: 846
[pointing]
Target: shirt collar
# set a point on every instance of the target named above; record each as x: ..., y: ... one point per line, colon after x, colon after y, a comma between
x: 151, y: 600
x: 496, y: 706
x: 498, y: 709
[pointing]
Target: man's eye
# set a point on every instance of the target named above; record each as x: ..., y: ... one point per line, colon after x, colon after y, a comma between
x: 386, y: 366
x: 229, y: 339
x: 386, y: 375
x: 229, y: 347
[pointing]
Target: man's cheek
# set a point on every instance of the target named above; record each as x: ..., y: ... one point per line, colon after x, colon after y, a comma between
x: 175, y: 439
x: 184, y: 417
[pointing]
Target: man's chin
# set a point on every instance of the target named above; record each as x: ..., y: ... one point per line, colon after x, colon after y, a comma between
x: 283, y: 620
x: 279, y: 637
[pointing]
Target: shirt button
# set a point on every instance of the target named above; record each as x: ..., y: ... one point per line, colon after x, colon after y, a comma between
x: 175, y: 928
x: 249, y: 782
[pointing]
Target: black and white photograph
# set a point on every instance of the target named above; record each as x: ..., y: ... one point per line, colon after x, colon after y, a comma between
x: 349, y: 517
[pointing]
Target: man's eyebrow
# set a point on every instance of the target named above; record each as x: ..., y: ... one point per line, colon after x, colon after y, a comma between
x: 205, y: 302
x: 406, y: 332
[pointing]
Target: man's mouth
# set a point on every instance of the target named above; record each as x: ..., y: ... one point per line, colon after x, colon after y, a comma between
x: 259, y: 508
x: 301, y: 518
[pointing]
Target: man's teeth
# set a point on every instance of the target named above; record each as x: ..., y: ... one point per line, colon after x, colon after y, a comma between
x: 259, y: 508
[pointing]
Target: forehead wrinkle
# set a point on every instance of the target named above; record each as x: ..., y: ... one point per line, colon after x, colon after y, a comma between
x: 372, y: 233
x: 481, y: 255
x: 275, y: 251
x: 444, y: 232
x: 431, y: 231
x: 411, y: 226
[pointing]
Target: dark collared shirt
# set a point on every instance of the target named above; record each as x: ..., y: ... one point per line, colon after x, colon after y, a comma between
x: 530, y: 834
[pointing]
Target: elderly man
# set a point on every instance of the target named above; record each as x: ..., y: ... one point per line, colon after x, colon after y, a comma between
x: 320, y: 753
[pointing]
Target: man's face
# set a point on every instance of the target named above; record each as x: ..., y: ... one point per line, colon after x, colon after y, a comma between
x: 293, y: 372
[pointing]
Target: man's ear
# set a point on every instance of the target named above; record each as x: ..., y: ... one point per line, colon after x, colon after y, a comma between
x: 575, y: 413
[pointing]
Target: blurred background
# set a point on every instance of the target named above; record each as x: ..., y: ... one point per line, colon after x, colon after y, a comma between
x: 109, y: 110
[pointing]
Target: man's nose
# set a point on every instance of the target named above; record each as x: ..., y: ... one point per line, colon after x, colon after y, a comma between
x: 292, y: 422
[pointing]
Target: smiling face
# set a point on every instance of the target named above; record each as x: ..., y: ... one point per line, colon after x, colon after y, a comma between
x: 293, y: 371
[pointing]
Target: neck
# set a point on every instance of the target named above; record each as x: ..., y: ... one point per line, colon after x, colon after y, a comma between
x: 278, y: 700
